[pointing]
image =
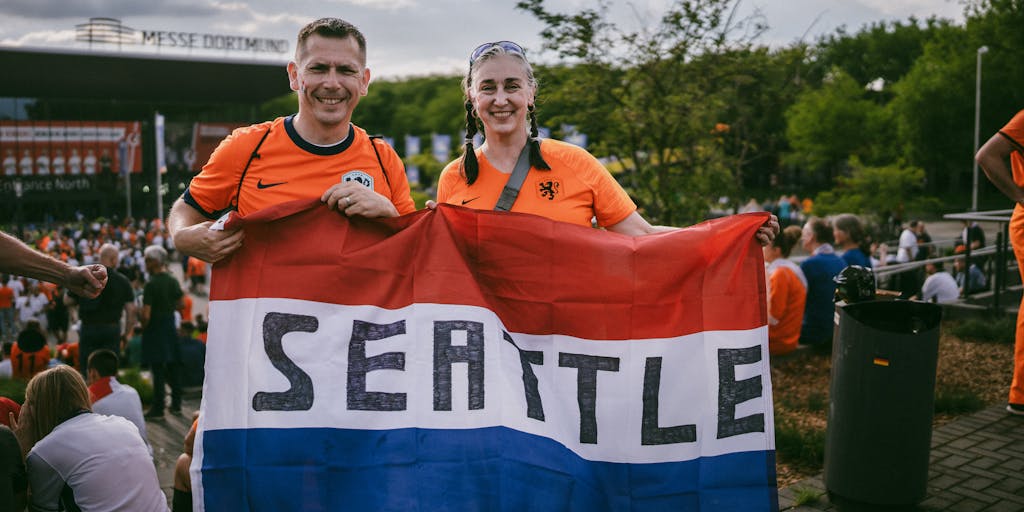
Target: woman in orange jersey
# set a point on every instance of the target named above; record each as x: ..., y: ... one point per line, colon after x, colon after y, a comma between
x: 564, y: 182
x: 787, y: 293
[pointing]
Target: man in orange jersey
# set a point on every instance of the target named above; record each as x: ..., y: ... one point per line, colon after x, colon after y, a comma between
x: 317, y: 152
x: 1008, y: 143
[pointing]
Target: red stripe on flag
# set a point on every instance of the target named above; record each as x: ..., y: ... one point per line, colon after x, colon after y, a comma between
x: 539, y: 276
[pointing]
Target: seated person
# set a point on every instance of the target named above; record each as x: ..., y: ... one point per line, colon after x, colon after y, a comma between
x: 5, y: 361
x: 30, y: 355
x: 68, y: 354
x: 820, y: 269
x: 939, y: 286
x: 193, y: 356
x: 974, y: 277
x: 110, y: 397
x: 787, y: 293
x: 133, y: 348
x: 13, y: 483
x: 182, y: 500
x: 78, y: 460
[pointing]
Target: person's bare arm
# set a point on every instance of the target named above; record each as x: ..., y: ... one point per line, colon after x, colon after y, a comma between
x: 192, y: 235
x: 20, y: 259
x: 636, y: 225
x: 992, y: 159
x: 130, y: 319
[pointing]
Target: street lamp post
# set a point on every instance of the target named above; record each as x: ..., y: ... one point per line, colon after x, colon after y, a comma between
x: 977, y: 126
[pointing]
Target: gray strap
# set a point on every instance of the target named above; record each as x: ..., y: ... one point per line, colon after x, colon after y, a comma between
x: 515, y: 181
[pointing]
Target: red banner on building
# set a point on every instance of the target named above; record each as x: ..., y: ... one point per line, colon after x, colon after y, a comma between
x: 69, y: 148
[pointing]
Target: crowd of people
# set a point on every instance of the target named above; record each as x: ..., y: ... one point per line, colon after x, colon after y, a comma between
x: 801, y: 295
x: 70, y: 341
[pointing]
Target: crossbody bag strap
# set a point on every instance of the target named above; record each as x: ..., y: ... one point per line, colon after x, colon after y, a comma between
x: 254, y: 155
x: 373, y: 142
x: 515, y: 181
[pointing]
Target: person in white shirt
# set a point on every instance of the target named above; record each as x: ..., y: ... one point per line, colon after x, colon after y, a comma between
x: 908, y: 242
x: 102, y: 459
x: 109, y: 396
x: 939, y: 286
x: 5, y: 365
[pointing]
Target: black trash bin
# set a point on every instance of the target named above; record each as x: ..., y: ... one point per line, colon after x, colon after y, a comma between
x: 881, y: 401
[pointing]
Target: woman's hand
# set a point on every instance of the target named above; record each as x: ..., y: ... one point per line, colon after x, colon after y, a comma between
x: 767, y: 232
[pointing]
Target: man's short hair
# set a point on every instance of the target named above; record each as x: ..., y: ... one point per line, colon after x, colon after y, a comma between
x: 330, y: 27
x: 103, y: 361
x: 155, y: 253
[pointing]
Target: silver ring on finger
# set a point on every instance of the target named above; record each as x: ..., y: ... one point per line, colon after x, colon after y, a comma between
x: 348, y: 201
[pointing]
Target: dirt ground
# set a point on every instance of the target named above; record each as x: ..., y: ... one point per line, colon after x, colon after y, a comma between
x: 800, y: 386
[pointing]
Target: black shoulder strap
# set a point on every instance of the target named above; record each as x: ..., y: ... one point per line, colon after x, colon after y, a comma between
x: 255, y: 154
x: 373, y: 142
x: 515, y: 181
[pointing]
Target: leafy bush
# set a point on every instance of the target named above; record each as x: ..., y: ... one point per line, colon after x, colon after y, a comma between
x: 133, y: 377
x: 873, y: 190
x: 799, y: 445
x: 957, y: 400
x: 1000, y: 329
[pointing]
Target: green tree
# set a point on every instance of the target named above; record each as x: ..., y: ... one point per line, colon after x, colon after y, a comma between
x: 885, y: 50
x: 934, y: 112
x: 827, y: 126
x: 764, y: 83
x: 648, y: 101
x: 871, y: 191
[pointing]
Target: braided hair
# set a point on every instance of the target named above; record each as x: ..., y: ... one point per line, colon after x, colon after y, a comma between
x: 470, y: 165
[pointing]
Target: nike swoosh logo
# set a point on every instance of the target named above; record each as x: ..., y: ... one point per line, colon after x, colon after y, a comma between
x: 467, y: 201
x: 260, y: 185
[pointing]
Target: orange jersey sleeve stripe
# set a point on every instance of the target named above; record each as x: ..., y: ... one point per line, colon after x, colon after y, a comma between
x: 290, y: 168
x: 576, y: 189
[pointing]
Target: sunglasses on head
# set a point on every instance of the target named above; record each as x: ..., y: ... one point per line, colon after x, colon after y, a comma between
x: 508, y: 46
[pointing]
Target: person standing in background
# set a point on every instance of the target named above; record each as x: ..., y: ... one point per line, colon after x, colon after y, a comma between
x: 101, y: 316
x: 160, y: 298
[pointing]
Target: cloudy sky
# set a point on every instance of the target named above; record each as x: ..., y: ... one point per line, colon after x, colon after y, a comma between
x: 415, y: 37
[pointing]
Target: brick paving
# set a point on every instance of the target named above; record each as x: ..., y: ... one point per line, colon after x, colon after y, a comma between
x: 977, y: 464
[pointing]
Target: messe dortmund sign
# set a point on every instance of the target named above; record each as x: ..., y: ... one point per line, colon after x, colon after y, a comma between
x: 110, y: 30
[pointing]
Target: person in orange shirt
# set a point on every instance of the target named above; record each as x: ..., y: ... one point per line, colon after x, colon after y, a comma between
x: 6, y: 310
x: 1008, y: 144
x: 30, y: 355
x: 186, y: 308
x: 316, y: 153
x: 196, y: 271
x: 564, y: 182
x: 787, y: 293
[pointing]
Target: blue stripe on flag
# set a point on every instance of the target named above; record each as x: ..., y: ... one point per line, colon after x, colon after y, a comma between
x: 492, y: 469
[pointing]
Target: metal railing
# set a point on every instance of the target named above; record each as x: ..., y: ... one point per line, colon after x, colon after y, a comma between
x: 996, y: 273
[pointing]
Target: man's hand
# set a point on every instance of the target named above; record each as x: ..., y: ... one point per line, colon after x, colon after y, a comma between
x: 352, y: 198
x: 87, y: 281
x: 767, y: 232
x: 199, y: 241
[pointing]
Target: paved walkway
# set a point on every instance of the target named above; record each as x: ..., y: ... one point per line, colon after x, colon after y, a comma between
x: 977, y: 464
